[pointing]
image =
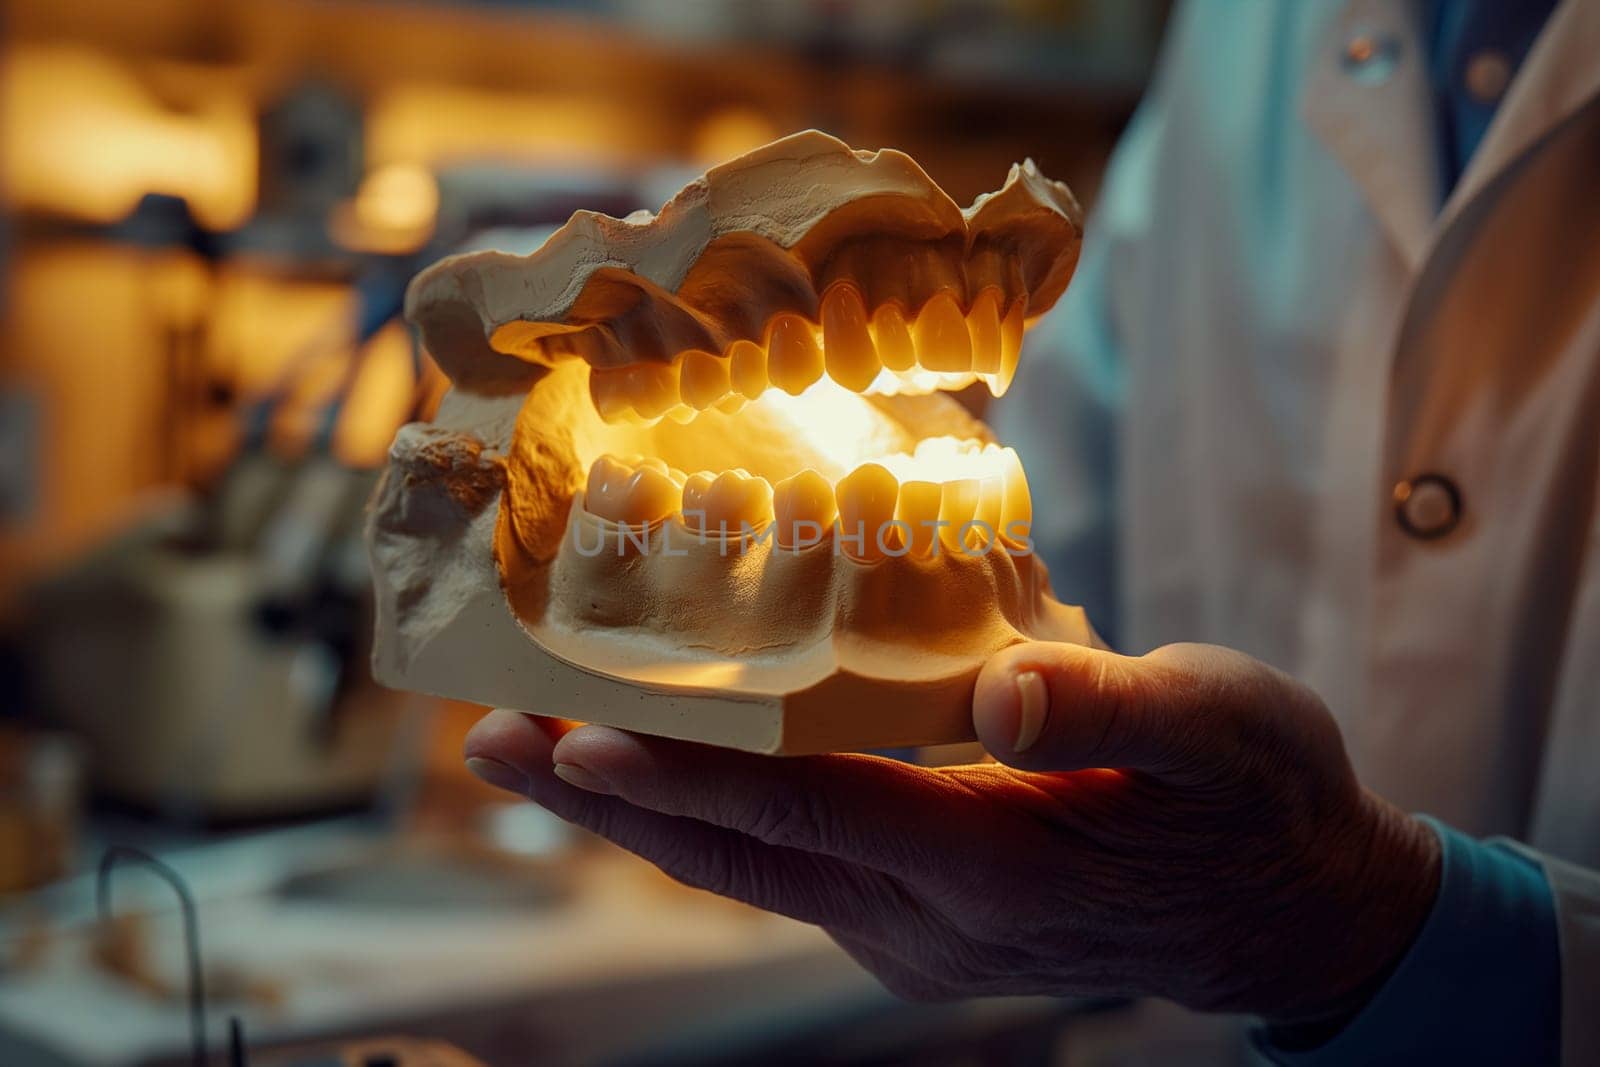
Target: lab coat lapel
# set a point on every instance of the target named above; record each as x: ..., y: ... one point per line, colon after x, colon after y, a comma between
x: 1560, y: 75
x: 1376, y: 117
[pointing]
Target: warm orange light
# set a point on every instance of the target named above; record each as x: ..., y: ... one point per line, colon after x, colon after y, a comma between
x: 398, y: 197
x: 83, y: 137
x: 432, y: 125
x: 379, y: 399
x: 394, y: 211
x: 728, y: 133
x: 842, y: 427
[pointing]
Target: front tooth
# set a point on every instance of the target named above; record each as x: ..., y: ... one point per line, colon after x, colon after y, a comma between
x: 983, y: 326
x: 990, y: 507
x: 867, y: 497
x: 1016, y: 515
x: 652, y: 387
x: 1010, y: 349
x: 704, y: 379
x: 794, y: 361
x: 736, y: 500
x: 956, y: 507
x: 893, y: 337
x: 940, y: 332
x: 847, y: 345
x: 918, y: 508
x: 635, y: 495
x: 747, y: 368
x: 804, y: 508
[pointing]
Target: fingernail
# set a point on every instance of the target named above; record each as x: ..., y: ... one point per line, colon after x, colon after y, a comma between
x: 500, y: 775
x: 1033, y: 709
x: 583, y: 778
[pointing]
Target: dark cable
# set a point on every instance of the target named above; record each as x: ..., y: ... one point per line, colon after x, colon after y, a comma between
x: 191, y: 934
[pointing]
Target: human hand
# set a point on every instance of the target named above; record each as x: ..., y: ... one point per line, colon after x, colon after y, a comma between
x: 1230, y: 861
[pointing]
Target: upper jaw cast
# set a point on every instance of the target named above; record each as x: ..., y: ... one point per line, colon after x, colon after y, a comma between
x: 850, y: 265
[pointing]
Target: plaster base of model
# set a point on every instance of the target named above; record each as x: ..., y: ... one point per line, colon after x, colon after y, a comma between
x: 445, y: 627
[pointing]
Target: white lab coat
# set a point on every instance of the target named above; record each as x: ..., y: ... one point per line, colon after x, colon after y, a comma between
x: 1273, y: 325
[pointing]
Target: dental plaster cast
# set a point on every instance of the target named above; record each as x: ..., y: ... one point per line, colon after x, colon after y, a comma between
x: 699, y: 474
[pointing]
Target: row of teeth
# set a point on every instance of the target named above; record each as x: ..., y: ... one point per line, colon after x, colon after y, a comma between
x: 881, y: 352
x: 949, y: 495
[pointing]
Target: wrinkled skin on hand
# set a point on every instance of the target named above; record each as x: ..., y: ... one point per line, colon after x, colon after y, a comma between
x: 1231, y: 861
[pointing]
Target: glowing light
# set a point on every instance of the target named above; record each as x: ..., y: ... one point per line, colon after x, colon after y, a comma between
x: 728, y: 133
x: 944, y: 459
x: 919, y: 382
x: 394, y: 210
x: 434, y: 125
x: 83, y: 137
x: 841, y: 426
x: 398, y: 197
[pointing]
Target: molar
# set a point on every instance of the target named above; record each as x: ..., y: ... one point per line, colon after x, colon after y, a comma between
x: 804, y: 502
x: 735, y: 500
x: 626, y: 493
x: 656, y: 463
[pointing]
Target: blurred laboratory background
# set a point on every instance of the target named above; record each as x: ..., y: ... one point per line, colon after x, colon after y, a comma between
x: 207, y: 806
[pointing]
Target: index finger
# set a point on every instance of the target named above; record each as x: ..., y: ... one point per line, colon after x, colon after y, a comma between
x: 880, y: 813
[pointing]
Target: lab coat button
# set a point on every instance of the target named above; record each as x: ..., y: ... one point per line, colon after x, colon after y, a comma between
x: 1488, y: 74
x: 1371, y: 57
x: 1427, y: 506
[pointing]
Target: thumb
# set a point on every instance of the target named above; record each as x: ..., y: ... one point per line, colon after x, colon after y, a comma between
x: 1059, y: 707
